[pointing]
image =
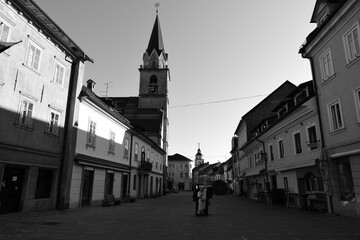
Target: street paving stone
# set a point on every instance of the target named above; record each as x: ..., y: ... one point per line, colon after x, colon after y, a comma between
x: 173, y: 217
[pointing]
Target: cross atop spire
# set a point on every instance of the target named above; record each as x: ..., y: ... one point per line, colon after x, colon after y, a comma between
x: 157, y: 5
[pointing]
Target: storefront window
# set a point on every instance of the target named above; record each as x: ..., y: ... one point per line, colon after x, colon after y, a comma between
x: 345, y: 179
x: 109, y: 182
x: 43, y: 184
x: 313, y: 183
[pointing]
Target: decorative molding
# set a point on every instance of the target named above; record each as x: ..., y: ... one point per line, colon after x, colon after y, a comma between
x: 28, y: 96
x: 55, y: 108
x: 7, y: 19
x: 36, y: 42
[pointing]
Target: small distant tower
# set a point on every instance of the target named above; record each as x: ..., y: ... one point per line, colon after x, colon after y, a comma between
x: 198, y: 157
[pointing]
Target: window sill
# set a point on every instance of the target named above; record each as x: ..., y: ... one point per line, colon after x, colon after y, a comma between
x: 90, y: 146
x: 111, y: 153
x: 326, y: 81
x: 30, y: 68
x: 337, y: 131
x: 22, y: 126
x: 313, y: 149
x: 57, y: 84
x: 350, y: 63
x: 54, y: 135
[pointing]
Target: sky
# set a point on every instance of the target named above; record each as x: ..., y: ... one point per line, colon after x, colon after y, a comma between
x: 224, y: 57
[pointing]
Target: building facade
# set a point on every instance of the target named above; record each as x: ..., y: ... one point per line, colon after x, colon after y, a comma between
x: 112, y: 157
x: 281, y: 157
x: 333, y: 50
x: 243, y: 134
x: 179, y: 172
x: 39, y: 79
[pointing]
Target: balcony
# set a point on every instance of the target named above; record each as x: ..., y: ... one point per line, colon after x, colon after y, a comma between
x: 145, y: 167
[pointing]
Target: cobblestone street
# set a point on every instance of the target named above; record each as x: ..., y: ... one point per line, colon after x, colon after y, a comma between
x: 172, y: 217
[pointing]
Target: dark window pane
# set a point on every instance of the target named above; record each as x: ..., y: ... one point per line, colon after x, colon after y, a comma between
x: 43, y: 185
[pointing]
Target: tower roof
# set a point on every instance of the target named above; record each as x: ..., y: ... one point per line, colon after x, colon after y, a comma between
x: 198, y: 152
x: 156, y: 41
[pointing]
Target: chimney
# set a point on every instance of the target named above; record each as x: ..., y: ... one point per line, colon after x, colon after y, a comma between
x: 90, y: 84
x: 234, y: 142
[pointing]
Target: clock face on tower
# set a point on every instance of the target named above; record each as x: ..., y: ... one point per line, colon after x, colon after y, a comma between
x: 153, y: 87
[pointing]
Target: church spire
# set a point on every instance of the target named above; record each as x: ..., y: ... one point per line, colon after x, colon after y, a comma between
x: 156, y: 41
x: 155, y: 56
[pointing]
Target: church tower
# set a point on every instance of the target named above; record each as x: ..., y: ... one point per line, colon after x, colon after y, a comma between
x: 154, y: 78
x: 198, y: 158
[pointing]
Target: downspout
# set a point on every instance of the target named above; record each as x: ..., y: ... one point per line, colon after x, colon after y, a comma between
x: 130, y: 160
x: 328, y: 196
x: 61, y: 202
x: 70, y: 135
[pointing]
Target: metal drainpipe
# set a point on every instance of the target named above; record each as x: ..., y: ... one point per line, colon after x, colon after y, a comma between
x: 130, y: 160
x: 328, y: 197
x: 68, y: 111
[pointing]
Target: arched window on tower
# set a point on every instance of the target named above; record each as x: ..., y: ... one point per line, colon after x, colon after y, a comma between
x: 153, y: 87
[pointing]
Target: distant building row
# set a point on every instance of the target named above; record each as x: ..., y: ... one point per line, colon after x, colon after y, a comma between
x: 301, y: 144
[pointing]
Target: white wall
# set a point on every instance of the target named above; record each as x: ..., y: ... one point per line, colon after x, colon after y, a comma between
x: 75, y: 189
x: 104, y: 123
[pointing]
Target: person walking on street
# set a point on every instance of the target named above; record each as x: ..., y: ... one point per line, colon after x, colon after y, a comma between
x: 202, y: 200
x: 196, y: 199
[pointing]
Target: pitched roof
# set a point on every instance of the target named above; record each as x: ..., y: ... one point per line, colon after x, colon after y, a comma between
x: 148, y: 120
x: 178, y: 157
x: 156, y: 41
x: 49, y: 28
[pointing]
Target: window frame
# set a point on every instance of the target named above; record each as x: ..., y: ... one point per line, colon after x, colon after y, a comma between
x: 109, y: 182
x: 335, y: 118
x: 136, y: 151
x: 2, y: 25
x: 126, y: 147
x: 297, y: 143
x: 55, y: 75
x: 286, y: 183
x: 309, y: 138
x: 111, y: 148
x: 281, y: 148
x: 352, y: 56
x: 357, y: 103
x: 50, y: 125
x: 271, y: 152
x: 31, y: 64
x: 28, y: 122
x: 347, y: 175
x: 325, y: 76
x: 44, y: 184
x: 143, y: 154
x: 91, y: 134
